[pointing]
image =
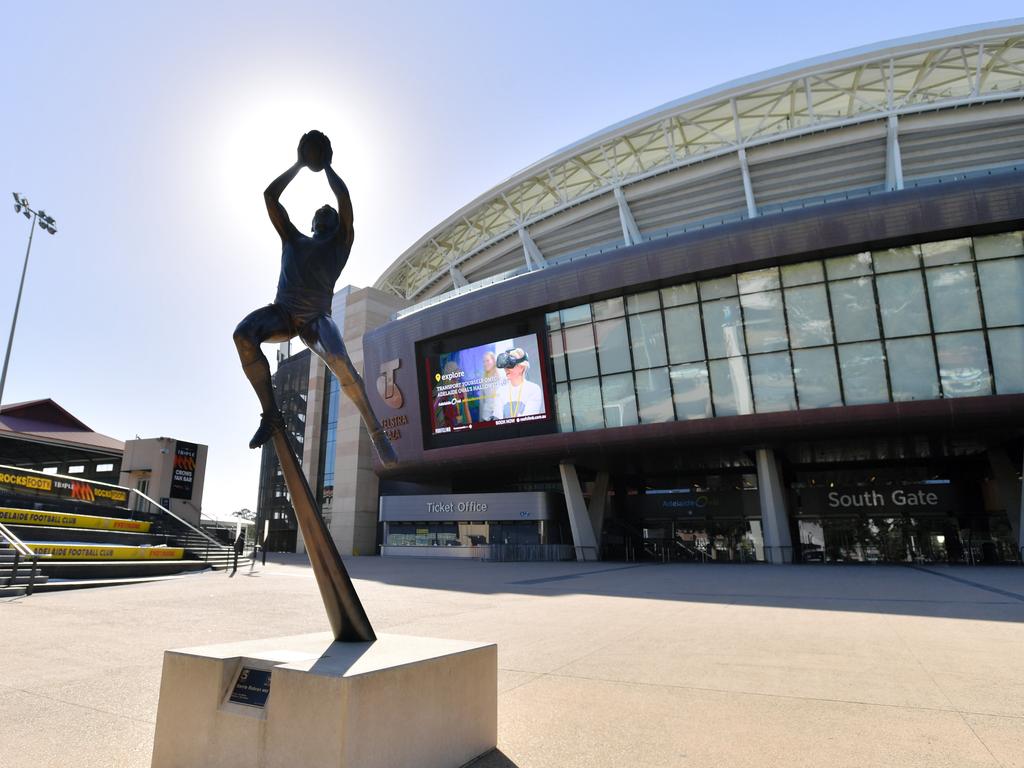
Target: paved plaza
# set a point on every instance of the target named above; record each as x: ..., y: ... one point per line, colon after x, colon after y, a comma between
x: 600, y: 664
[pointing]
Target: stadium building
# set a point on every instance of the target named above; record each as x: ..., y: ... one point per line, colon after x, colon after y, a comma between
x: 779, y: 320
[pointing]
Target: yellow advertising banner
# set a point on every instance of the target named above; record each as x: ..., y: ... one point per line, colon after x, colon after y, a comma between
x: 104, y: 552
x: 65, y: 520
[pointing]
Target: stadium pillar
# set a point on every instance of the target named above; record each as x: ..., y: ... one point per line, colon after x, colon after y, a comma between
x: 1011, y: 493
x: 778, y: 545
x: 583, y: 537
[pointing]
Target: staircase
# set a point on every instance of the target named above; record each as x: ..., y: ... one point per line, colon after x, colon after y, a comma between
x: 19, y: 569
x: 84, y: 534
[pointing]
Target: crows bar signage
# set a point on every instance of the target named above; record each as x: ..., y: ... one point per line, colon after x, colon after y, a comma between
x: 27, y: 482
x: 184, y: 470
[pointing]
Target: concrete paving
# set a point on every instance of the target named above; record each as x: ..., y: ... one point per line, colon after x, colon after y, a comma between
x: 600, y: 664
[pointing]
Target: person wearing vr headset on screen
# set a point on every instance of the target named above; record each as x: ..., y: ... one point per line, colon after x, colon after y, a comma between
x: 519, y: 397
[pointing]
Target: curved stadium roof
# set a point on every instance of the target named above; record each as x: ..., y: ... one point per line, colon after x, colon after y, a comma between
x: 897, y: 114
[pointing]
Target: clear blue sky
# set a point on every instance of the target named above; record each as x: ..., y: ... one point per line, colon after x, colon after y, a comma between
x: 150, y: 132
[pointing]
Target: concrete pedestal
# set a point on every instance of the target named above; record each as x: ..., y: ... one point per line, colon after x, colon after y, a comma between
x: 400, y: 701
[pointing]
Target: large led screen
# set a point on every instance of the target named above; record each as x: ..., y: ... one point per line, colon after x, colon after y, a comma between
x: 485, y: 386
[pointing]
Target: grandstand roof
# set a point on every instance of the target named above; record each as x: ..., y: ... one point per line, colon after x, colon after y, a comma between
x: 44, y: 421
x: 863, y: 121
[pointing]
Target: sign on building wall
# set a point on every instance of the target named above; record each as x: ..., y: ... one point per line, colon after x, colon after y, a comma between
x: 183, y: 478
x: 17, y: 481
x: 885, y: 501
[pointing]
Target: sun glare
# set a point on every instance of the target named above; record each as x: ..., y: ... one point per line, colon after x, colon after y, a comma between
x: 258, y: 139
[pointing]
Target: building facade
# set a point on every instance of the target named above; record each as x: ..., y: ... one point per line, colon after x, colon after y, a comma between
x: 777, y: 321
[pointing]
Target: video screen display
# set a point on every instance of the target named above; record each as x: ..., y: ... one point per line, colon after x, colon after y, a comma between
x: 485, y: 386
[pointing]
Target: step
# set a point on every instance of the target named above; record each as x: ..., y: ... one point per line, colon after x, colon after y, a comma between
x: 12, y: 591
x: 112, y: 569
x: 85, y: 535
x: 23, y: 577
x: 56, y: 585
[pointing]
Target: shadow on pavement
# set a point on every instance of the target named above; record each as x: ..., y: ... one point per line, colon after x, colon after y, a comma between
x: 495, y: 759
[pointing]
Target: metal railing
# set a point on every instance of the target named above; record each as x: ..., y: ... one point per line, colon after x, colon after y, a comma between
x: 21, y: 550
x: 193, y: 531
x: 535, y: 553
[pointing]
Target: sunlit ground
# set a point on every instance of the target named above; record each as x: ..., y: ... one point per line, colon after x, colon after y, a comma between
x: 600, y: 664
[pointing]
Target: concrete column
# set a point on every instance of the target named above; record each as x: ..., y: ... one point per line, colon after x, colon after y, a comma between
x: 599, y: 503
x: 1011, y: 492
x: 579, y: 519
x: 778, y: 544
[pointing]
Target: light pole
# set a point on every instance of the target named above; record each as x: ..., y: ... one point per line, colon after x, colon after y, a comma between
x: 45, y: 222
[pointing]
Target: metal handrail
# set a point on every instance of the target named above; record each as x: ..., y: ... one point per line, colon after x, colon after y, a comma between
x: 17, y: 544
x: 21, y: 549
x: 209, y: 539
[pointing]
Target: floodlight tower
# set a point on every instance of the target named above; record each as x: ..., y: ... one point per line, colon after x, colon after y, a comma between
x: 47, y: 223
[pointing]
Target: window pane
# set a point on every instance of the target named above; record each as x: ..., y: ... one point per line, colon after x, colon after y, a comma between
x: 586, y: 404
x: 1002, y: 289
x: 963, y: 364
x: 575, y: 315
x: 807, y: 310
x: 901, y: 298
x: 863, y: 368
x: 562, y: 408
x: 580, y: 352
x: 643, y: 302
x: 557, y: 355
x: 619, y: 400
x: 654, y: 395
x: 953, y: 297
x: 1007, y: 346
x: 912, y: 369
x: 722, y: 328
x: 691, y: 392
x: 760, y: 280
x: 685, y: 341
x: 896, y: 259
x: 608, y: 308
x: 552, y: 320
x: 730, y: 387
x: 848, y: 266
x: 716, y: 289
x: 764, y: 321
x: 772, y: 380
x: 648, y: 338
x: 946, y: 252
x: 803, y: 274
x: 997, y: 246
x: 853, y: 306
x: 678, y: 295
x: 817, y: 381
x: 613, y: 345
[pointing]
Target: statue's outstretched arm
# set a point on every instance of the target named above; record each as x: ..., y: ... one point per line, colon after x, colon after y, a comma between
x: 272, y: 196
x: 346, y: 231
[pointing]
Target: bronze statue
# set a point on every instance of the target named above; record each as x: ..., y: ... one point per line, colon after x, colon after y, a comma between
x: 309, y: 268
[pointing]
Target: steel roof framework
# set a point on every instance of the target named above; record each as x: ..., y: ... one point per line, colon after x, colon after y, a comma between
x: 980, y: 65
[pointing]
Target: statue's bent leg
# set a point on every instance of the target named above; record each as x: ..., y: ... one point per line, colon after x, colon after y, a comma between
x: 323, y: 337
x: 268, y: 323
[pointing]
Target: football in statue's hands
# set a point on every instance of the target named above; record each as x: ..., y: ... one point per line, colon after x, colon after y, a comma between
x: 315, y: 150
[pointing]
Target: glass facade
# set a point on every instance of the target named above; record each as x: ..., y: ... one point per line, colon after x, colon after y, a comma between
x: 933, y: 320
